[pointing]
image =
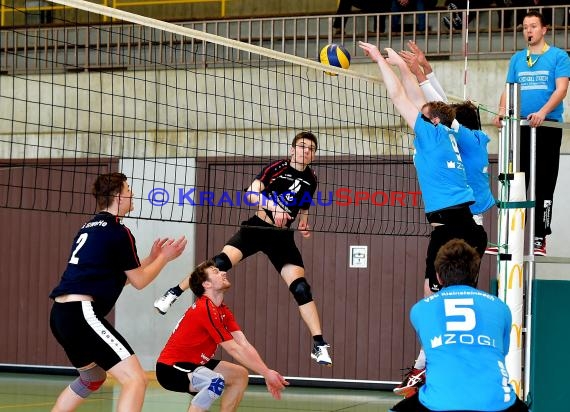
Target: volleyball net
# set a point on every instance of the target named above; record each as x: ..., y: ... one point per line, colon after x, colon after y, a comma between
x: 191, y: 118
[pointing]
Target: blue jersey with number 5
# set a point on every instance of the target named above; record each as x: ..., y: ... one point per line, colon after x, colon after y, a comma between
x: 465, y: 334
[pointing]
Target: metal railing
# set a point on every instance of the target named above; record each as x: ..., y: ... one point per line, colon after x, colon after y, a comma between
x: 122, y: 45
x: 27, y: 7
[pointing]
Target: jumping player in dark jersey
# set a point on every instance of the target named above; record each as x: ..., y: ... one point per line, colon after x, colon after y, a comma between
x: 283, y: 191
x: 187, y: 364
x: 103, y: 260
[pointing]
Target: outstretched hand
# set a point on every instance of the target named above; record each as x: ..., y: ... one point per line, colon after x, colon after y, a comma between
x: 275, y: 383
x: 171, y: 248
x: 420, y: 56
x: 156, y: 248
x: 394, y: 58
x: 371, y: 51
x: 412, y: 61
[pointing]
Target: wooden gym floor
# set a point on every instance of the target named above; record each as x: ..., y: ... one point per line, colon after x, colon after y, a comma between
x: 33, y: 392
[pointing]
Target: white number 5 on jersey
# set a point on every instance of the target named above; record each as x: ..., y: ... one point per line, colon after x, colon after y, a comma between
x: 460, y: 308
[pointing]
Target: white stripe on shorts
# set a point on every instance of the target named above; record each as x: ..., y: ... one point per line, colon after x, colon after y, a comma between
x: 180, y: 369
x: 102, y: 331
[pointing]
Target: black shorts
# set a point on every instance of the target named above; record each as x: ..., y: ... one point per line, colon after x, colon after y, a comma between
x: 465, y: 229
x: 413, y: 404
x: 176, y: 379
x: 255, y: 235
x: 86, y: 337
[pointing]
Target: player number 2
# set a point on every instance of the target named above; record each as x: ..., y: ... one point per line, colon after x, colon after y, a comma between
x: 461, y: 308
x: 80, y: 242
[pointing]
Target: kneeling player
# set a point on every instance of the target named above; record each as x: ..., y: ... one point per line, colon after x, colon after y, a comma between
x: 186, y: 363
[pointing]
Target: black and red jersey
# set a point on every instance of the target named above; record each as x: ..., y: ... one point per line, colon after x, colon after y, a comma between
x: 102, y: 251
x: 290, y: 188
x: 197, y: 335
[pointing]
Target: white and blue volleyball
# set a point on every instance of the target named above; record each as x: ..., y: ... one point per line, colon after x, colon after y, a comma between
x: 335, y: 55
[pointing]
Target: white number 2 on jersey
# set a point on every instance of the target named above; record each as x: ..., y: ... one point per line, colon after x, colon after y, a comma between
x: 80, y: 242
x: 460, y: 308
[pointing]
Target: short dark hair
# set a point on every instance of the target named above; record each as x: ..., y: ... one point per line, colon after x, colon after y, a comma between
x: 107, y: 186
x: 199, y: 276
x: 305, y: 135
x: 444, y: 111
x: 467, y: 114
x: 457, y: 263
x: 536, y: 13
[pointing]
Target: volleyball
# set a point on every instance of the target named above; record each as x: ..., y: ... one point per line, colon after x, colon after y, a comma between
x: 335, y: 55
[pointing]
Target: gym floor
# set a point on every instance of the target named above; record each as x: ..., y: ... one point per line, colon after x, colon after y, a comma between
x: 34, y: 392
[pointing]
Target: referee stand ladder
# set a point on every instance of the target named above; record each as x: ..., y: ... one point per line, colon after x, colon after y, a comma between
x: 538, y: 300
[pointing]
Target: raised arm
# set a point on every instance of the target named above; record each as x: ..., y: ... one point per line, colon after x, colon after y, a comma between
x: 412, y: 61
x: 409, y: 80
x: 429, y: 91
x: 427, y: 70
x: 422, y: 60
x: 393, y: 85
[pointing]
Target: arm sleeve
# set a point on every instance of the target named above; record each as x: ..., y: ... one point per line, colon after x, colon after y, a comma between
x: 437, y: 86
x: 511, y: 73
x: 562, y: 68
x: 429, y: 92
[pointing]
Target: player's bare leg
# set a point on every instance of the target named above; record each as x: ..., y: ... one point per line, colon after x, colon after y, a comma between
x: 131, y: 376
x: 236, y: 380
x: 294, y: 277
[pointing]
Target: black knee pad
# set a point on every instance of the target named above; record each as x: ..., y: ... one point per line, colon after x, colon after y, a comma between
x: 222, y: 262
x: 301, y: 291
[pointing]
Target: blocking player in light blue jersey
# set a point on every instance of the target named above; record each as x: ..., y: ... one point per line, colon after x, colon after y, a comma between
x: 465, y: 333
x: 472, y: 142
x: 439, y: 166
x: 441, y: 175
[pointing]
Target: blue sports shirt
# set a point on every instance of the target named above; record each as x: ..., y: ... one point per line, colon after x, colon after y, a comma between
x: 537, y: 83
x: 465, y: 334
x: 102, y: 251
x: 439, y: 167
x: 473, y: 149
